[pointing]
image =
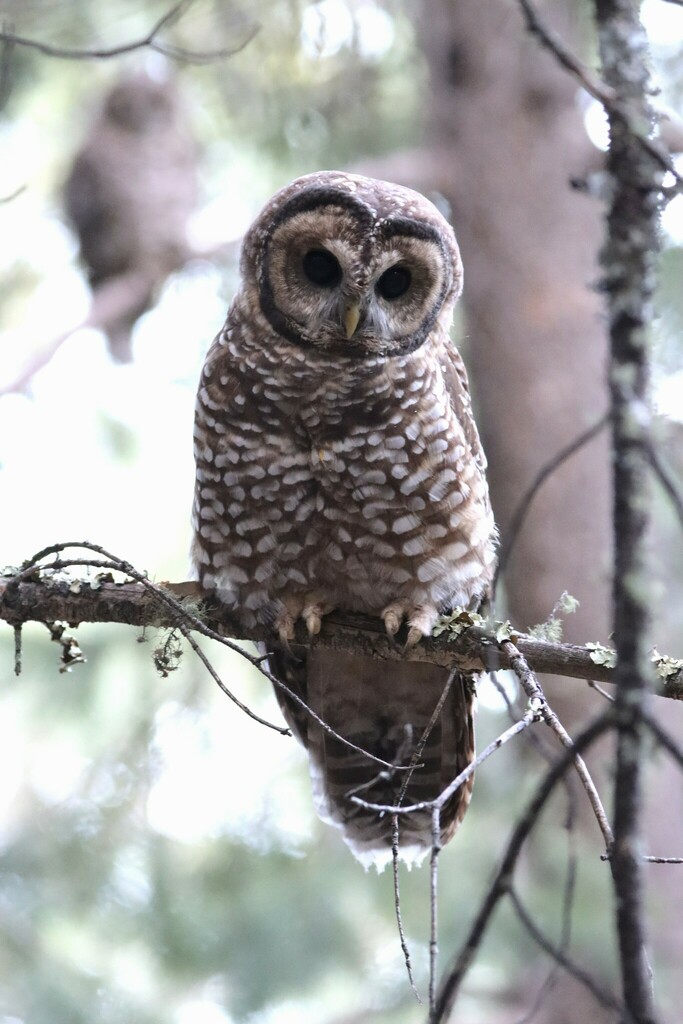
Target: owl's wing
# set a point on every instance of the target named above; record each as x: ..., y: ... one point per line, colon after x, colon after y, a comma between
x: 457, y: 386
x: 290, y: 666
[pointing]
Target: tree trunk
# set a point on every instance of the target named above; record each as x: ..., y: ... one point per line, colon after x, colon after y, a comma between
x: 506, y: 118
x: 507, y: 129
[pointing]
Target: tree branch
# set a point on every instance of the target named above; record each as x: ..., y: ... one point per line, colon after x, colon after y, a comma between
x: 48, y: 596
x: 500, y: 886
x: 519, y: 515
x: 150, y: 40
x: 605, y: 91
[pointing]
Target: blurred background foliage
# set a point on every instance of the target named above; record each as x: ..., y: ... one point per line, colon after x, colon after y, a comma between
x: 160, y: 860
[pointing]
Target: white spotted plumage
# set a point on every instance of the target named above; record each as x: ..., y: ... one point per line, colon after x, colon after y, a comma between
x: 340, y: 467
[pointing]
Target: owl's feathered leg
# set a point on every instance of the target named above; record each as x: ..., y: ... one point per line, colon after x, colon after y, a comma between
x: 420, y: 617
x: 310, y: 607
x: 285, y: 622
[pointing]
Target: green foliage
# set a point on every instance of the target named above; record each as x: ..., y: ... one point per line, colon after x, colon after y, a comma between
x: 551, y: 629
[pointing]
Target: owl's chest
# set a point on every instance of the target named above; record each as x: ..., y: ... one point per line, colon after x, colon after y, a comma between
x: 349, y: 447
x: 377, y: 474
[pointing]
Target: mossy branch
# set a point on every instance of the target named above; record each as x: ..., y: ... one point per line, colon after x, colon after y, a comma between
x: 45, y: 594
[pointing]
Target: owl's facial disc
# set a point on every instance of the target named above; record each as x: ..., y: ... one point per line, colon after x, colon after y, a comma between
x: 335, y: 277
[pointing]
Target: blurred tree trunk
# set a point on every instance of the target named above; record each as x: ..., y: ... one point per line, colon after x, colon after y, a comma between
x: 504, y: 135
x: 508, y: 135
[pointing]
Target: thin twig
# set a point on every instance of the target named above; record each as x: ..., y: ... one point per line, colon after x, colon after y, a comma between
x: 649, y: 859
x: 567, y: 903
x: 520, y: 513
x: 171, y: 17
x: 450, y: 984
x: 17, y: 650
x: 665, y: 477
x: 115, y: 564
x: 603, y: 693
x: 560, y: 956
x: 433, y: 906
x: 534, y: 692
x: 459, y: 780
x: 601, y: 90
x: 397, y: 907
x: 593, y: 85
x: 181, y: 614
x: 414, y: 761
x: 13, y: 195
x: 668, y: 742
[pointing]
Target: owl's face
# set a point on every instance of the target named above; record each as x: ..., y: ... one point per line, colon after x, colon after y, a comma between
x: 350, y: 264
x: 138, y: 104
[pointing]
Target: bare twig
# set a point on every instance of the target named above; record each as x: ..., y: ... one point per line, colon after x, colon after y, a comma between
x: 13, y: 195
x: 433, y: 906
x: 397, y: 908
x: 180, y: 614
x: 414, y: 761
x: 459, y: 780
x: 17, y: 650
x: 150, y: 40
x: 603, y: 693
x: 598, y: 89
x: 560, y: 956
x: 520, y: 513
x: 450, y: 984
x: 674, y: 749
x: 665, y: 476
x: 534, y: 692
x: 612, y: 98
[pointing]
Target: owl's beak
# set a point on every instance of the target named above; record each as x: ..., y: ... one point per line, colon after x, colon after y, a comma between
x: 351, y: 318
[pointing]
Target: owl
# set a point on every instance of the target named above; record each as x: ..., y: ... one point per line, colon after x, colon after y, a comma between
x: 339, y: 467
x: 130, y: 193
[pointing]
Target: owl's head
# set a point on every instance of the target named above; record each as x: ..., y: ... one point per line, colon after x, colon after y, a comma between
x: 350, y: 264
x: 138, y: 103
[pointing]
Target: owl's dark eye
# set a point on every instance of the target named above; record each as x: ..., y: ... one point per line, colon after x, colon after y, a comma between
x: 394, y: 282
x: 322, y: 268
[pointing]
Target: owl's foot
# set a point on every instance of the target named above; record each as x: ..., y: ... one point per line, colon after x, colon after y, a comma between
x: 313, y: 611
x: 420, y: 618
x: 285, y: 623
x: 310, y: 607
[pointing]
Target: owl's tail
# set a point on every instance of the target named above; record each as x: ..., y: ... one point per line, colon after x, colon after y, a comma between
x: 384, y: 708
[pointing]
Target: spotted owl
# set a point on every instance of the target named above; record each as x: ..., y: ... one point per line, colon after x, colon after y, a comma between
x: 339, y: 467
x: 130, y: 194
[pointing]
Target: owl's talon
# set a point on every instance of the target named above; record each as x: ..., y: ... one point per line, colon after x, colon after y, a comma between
x: 285, y: 629
x: 314, y: 609
x: 415, y: 634
x: 393, y: 617
x: 312, y: 620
